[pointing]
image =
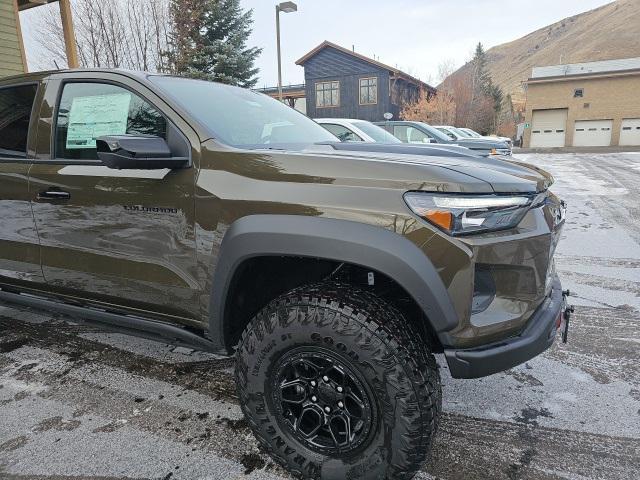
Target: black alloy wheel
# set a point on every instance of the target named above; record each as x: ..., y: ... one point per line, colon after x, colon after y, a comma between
x: 322, y: 401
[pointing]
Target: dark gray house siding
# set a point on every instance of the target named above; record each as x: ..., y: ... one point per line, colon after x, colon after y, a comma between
x: 332, y: 63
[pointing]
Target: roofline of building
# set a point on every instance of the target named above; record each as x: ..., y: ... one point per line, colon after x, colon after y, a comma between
x: 587, y: 75
x: 285, y: 88
x: 290, y: 91
x: 301, y: 61
x: 30, y: 4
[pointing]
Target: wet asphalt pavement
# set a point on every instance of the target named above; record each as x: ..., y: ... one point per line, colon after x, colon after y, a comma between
x: 77, y: 402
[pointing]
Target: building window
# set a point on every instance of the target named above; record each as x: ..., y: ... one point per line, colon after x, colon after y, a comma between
x: 578, y: 93
x: 369, y: 91
x: 327, y: 94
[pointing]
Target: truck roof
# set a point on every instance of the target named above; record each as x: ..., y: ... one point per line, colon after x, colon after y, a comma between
x: 45, y: 73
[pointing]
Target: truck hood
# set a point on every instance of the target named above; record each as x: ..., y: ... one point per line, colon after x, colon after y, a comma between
x: 504, y: 176
x: 428, y: 149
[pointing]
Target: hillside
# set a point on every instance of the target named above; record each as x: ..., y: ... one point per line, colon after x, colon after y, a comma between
x: 607, y: 32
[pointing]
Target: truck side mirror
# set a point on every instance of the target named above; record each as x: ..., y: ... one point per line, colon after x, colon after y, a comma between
x: 142, y: 152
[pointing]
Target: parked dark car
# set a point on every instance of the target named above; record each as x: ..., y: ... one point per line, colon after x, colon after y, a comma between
x: 217, y: 217
x: 420, y: 132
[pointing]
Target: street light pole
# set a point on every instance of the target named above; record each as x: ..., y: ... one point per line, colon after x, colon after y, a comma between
x: 279, y: 56
x: 286, y: 7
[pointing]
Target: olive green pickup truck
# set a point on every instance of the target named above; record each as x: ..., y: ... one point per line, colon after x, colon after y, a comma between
x: 216, y: 217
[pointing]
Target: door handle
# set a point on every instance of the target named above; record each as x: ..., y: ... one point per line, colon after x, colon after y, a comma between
x: 54, y: 194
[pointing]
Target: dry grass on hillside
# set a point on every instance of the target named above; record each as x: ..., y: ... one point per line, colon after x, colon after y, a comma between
x: 607, y: 32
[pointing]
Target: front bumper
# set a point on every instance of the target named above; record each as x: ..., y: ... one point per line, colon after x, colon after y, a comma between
x: 537, y: 336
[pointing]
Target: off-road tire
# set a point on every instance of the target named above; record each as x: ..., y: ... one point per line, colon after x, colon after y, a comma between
x: 375, y: 340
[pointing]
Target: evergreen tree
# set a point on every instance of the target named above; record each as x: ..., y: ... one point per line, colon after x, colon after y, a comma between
x: 487, y: 98
x: 184, y: 39
x: 210, y: 41
x: 481, y: 78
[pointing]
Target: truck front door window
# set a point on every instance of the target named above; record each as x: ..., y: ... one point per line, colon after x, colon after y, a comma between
x: 90, y: 110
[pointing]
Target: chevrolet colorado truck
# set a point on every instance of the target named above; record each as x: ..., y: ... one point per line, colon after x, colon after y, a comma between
x: 216, y: 217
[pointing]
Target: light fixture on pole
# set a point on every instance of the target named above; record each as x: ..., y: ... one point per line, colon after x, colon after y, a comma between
x: 286, y: 7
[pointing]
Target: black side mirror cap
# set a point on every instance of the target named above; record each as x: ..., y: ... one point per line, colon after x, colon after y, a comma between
x: 139, y: 152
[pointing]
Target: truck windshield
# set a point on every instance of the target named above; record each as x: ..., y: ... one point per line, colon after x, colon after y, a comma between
x: 240, y: 117
x: 379, y: 134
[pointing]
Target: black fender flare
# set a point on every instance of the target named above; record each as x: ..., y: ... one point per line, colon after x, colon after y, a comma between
x: 340, y: 240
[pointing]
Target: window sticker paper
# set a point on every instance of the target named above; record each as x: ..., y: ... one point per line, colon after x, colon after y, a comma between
x: 95, y: 116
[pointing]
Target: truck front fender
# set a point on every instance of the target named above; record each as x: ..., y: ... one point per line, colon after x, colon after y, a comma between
x: 356, y: 243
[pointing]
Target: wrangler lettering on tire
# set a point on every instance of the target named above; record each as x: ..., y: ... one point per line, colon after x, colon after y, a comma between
x: 335, y: 384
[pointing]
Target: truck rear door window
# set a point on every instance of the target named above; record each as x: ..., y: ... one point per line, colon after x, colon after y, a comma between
x: 16, y: 104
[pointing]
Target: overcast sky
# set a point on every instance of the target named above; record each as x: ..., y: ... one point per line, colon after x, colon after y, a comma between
x: 414, y: 35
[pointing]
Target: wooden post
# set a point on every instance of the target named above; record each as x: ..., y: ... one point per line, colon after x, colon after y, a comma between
x: 69, y: 35
x: 20, y: 40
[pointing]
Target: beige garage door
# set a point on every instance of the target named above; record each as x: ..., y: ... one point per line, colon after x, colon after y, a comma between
x: 592, y: 133
x: 548, y: 128
x: 630, y: 131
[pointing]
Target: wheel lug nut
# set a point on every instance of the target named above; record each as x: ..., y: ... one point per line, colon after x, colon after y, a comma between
x: 327, y: 409
x: 314, y: 399
x: 340, y: 404
x: 340, y: 389
x: 325, y: 378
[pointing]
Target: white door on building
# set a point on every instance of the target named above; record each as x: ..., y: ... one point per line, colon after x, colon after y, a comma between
x: 592, y: 133
x: 630, y: 131
x: 548, y: 128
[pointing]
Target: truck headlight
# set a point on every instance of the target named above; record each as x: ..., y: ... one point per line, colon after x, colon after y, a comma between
x: 460, y: 214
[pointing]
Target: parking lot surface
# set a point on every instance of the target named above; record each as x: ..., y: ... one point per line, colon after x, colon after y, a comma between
x: 78, y: 402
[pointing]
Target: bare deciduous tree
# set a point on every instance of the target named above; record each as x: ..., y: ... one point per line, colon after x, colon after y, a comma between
x: 439, y: 109
x: 130, y: 34
x: 445, y: 68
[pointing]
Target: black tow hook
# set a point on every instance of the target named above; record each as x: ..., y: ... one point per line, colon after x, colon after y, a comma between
x: 566, y: 316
